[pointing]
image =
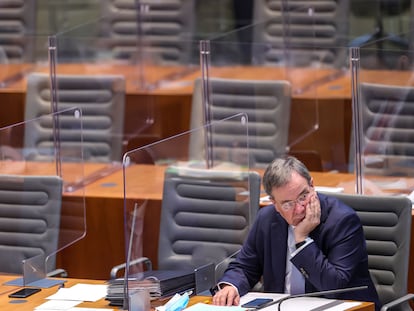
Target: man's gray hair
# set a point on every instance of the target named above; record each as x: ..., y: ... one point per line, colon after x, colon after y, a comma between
x: 279, y: 173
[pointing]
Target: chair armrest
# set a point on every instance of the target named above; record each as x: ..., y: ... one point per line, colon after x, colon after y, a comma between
x: 397, y: 302
x: 58, y: 272
x: 144, y: 260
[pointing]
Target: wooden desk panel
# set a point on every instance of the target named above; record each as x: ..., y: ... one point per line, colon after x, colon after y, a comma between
x: 104, y: 244
x: 324, y: 94
x: 169, y: 104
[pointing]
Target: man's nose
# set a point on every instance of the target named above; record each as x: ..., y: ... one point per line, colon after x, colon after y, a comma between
x: 300, y: 206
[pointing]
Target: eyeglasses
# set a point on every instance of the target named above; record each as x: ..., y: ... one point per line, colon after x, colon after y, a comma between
x: 301, y: 199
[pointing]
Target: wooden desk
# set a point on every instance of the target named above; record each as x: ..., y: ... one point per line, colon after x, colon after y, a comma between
x: 6, y: 303
x: 28, y: 304
x: 103, y: 246
x: 320, y: 112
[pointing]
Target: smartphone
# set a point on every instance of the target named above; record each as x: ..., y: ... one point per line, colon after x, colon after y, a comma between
x: 256, y: 303
x: 24, y: 292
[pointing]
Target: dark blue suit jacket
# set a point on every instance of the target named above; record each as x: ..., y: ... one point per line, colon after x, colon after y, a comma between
x: 336, y: 259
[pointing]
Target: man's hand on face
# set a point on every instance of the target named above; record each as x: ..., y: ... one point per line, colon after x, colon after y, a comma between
x: 226, y: 296
x: 311, y: 220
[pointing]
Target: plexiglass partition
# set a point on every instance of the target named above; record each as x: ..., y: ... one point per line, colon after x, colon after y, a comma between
x: 127, y: 68
x: 126, y: 41
x: 36, y: 222
x: 206, y: 210
x: 383, y: 118
x: 19, y: 41
x: 288, y: 78
x: 24, y: 54
x: 149, y: 42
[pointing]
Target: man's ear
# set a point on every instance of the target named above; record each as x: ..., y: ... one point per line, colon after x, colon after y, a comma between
x: 311, y: 182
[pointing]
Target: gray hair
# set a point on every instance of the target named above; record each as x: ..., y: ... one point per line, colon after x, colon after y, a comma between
x: 279, y: 173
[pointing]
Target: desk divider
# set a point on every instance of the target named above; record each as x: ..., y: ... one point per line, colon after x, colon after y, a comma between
x: 383, y: 130
x: 35, y: 223
x: 205, y: 214
x: 282, y: 63
x: 149, y: 44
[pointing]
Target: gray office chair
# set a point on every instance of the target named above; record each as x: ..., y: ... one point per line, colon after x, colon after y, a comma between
x: 267, y: 105
x: 388, y: 123
x: 300, y: 33
x: 203, y: 219
x: 17, y: 28
x: 162, y: 28
x: 29, y: 220
x: 101, y: 98
x: 387, y: 226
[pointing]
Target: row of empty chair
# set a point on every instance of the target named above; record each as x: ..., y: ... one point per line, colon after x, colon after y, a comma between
x: 295, y: 32
x: 101, y: 102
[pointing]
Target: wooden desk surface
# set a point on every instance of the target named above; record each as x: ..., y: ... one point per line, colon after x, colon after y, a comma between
x: 105, y: 205
x: 28, y: 304
x: 179, y: 79
x: 8, y: 304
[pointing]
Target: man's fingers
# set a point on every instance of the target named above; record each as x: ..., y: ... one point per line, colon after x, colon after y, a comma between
x: 227, y: 296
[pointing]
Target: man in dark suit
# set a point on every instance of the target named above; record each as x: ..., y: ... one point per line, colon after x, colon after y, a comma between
x: 304, y: 242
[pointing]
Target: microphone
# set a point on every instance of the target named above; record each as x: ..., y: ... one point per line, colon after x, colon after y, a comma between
x: 316, y: 294
x: 225, y: 261
x: 217, y: 268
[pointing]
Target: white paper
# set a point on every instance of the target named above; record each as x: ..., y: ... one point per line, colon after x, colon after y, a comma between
x: 329, y: 189
x: 388, y: 184
x: 302, y: 303
x: 89, y: 309
x: 81, y: 292
x: 345, y: 306
x: 57, y: 305
x: 208, y: 307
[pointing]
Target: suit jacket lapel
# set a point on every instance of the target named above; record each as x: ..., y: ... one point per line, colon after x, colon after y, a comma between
x: 279, y: 247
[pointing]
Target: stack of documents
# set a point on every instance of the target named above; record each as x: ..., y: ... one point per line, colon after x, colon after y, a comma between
x: 69, y: 298
x: 159, y: 283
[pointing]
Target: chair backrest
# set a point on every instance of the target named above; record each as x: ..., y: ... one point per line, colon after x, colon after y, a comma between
x: 386, y: 221
x: 17, y: 24
x: 267, y: 105
x: 101, y: 100
x: 203, y: 219
x: 162, y: 30
x: 388, y: 129
x: 29, y: 219
x: 300, y: 33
